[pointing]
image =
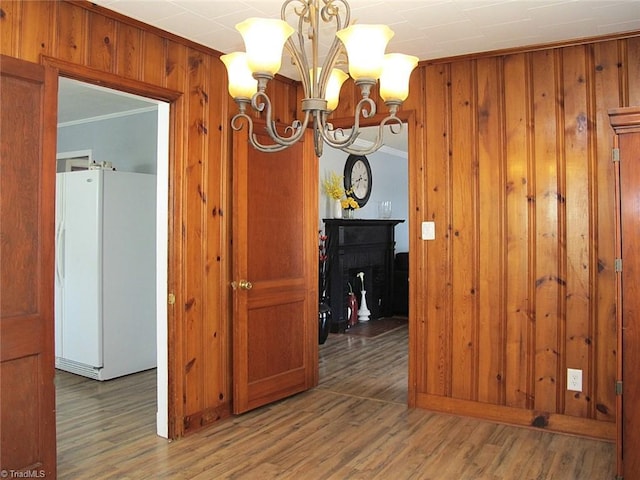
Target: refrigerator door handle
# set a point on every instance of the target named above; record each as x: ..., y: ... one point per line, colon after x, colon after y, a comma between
x: 60, y: 253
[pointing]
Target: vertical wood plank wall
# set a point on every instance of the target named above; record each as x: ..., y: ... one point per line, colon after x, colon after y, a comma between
x: 101, y: 41
x: 509, y: 155
x: 519, y: 284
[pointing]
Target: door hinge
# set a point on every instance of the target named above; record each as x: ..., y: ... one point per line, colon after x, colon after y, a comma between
x: 617, y: 264
x: 171, y: 299
x: 619, y: 387
x: 615, y: 155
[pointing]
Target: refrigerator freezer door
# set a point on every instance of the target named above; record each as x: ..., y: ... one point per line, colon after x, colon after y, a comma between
x: 81, y: 328
x: 129, y: 256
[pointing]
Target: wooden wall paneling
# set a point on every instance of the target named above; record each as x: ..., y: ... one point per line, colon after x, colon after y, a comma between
x: 175, y: 77
x: 633, y: 71
x: 605, y: 94
x: 227, y: 109
x: 464, y: 188
x: 36, y: 30
x: 129, y: 51
x: 101, y: 42
x: 535, y: 150
x: 175, y: 67
x: 519, y: 206
x: 195, y: 197
x: 217, y: 324
x: 10, y: 27
x: 71, y: 25
x: 153, y: 47
x: 348, y: 101
x: 491, y: 225
x: 547, y: 248
x: 435, y: 288
x: 416, y: 214
x: 579, y: 210
x: 414, y: 101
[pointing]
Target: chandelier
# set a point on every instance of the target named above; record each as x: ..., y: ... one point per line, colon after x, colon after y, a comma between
x: 364, y: 47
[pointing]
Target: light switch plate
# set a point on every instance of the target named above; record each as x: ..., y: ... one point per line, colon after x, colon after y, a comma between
x: 428, y: 230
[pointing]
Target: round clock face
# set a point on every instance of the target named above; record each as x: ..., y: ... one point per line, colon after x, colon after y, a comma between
x: 357, y: 178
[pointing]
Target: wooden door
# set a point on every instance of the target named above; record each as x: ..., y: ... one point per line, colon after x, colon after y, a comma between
x: 275, y: 248
x: 27, y: 199
x: 626, y: 123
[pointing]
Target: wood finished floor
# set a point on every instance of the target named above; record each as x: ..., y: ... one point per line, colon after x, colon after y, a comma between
x: 354, y: 425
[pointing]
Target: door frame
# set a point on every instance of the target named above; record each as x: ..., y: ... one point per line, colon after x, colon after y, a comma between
x: 170, y: 176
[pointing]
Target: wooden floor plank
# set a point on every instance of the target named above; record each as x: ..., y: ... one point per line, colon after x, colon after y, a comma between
x: 354, y: 425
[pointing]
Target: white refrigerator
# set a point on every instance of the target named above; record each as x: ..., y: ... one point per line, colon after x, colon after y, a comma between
x: 105, y: 298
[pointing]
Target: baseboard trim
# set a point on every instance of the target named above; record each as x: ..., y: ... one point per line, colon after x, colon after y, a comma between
x: 537, y: 420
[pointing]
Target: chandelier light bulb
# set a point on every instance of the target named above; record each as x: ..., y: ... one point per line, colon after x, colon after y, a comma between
x: 334, y: 84
x: 332, y: 95
x: 241, y: 81
x: 365, y: 46
x: 264, y: 39
x: 394, y: 81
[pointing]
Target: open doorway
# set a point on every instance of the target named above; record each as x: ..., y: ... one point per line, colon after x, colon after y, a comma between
x: 101, y: 129
x: 385, y: 334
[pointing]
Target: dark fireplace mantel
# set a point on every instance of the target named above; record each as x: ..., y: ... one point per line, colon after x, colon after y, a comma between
x: 360, y: 245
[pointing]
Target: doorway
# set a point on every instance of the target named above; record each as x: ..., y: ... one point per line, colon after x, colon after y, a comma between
x: 129, y: 133
x: 389, y: 166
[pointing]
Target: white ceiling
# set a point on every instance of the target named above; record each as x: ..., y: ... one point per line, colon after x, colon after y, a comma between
x: 78, y: 101
x: 428, y: 29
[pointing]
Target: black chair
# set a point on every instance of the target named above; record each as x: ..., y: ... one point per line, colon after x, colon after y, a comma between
x: 401, y: 284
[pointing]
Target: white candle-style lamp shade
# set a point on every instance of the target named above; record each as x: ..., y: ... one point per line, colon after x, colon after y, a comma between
x: 365, y: 46
x: 334, y: 84
x: 264, y: 40
x: 394, y: 81
x: 332, y: 94
x: 241, y: 81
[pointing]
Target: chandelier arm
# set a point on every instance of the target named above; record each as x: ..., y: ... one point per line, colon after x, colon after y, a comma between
x: 262, y: 103
x: 302, y: 65
x: 253, y: 138
x: 237, y: 126
x: 329, y: 134
x: 298, y: 52
x: 330, y: 61
x: 331, y: 12
x: 392, y: 121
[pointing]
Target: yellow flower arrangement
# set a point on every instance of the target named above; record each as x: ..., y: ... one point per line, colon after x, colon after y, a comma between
x: 349, y: 203
x: 332, y: 186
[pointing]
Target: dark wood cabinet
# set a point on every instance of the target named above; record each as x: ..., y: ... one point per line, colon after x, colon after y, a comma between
x: 355, y: 246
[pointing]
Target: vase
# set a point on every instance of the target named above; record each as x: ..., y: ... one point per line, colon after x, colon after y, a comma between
x: 349, y: 213
x: 337, y: 209
x: 363, y: 312
x: 352, y: 310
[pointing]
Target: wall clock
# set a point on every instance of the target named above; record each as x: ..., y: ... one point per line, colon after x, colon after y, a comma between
x: 357, y: 176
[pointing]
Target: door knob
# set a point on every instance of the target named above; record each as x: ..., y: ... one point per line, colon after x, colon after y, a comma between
x: 243, y: 284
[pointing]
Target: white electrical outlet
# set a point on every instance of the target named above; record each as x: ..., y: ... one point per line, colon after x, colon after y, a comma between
x: 574, y: 380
